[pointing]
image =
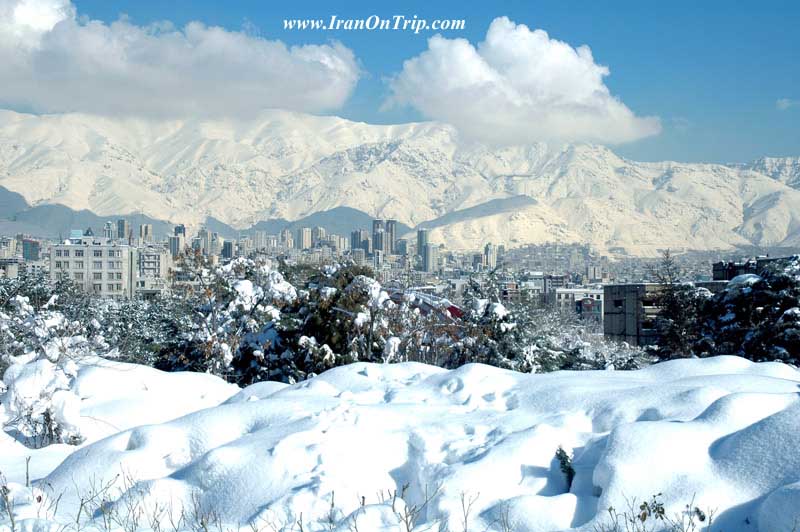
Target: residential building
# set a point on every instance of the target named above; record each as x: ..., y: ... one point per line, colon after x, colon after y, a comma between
x: 360, y: 239
x: 123, y: 230
x: 431, y: 258
x: 422, y: 244
x: 303, y: 240
x: 11, y: 266
x: 587, y: 302
x: 146, y: 233
x: 490, y: 256
x: 629, y: 312
x: 98, y: 266
x: 8, y: 247
x: 227, y: 249
x: 318, y: 236
x: 176, y: 244
x: 391, y: 237
x: 109, y: 230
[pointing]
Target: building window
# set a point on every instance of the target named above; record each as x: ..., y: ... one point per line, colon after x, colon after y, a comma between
x: 65, y: 264
x: 78, y: 276
x: 58, y: 253
x: 97, y: 287
x: 58, y: 264
x: 110, y: 287
x: 97, y: 276
x: 79, y: 253
x: 97, y: 265
x: 119, y: 287
x: 118, y: 276
x: 98, y: 253
x: 66, y: 253
x: 78, y: 264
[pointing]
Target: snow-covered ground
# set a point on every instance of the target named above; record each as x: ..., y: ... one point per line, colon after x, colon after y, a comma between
x: 722, y: 433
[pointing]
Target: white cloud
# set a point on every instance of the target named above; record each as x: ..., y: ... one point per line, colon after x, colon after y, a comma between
x: 785, y: 103
x: 54, y: 61
x: 517, y: 86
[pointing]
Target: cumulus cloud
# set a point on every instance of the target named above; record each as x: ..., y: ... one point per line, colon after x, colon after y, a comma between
x: 517, y: 86
x: 786, y: 103
x: 55, y: 61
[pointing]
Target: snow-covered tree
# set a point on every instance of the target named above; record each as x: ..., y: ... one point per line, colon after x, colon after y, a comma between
x: 756, y: 316
x: 680, y: 305
x: 230, y: 316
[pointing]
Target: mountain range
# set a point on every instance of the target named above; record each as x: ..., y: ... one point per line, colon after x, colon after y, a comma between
x: 281, y: 169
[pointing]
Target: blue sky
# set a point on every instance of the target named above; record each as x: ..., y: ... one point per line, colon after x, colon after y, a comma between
x: 711, y: 71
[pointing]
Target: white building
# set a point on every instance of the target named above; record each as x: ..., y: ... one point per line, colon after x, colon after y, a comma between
x: 97, y: 265
x: 585, y: 301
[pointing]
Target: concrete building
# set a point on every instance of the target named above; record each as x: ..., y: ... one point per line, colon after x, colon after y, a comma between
x: 123, y: 230
x: 422, y: 244
x: 401, y: 246
x: 490, y: 256
x: 154, y: 264
x: 431, y: 258
x: 227, y: 249
x: 725, y: 271
x: 8, y: 247
x: 391, y: 237
x: 98, y: 266
x: 318, y: 236
x: 629, y: 312
x: 176, y: 244
x: 587, y: 302
x: 154, y: 261
x: 361, y: 239
x: 11, y: 266
x: 146, y: 233
x: 109, y: 230
x: 303, y: 240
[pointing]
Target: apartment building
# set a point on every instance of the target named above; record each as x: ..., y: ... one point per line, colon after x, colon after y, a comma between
x: 99, y: 266
x: 587, y: 302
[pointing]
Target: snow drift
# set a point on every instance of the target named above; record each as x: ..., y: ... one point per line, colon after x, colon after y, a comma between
x: 722, y: 432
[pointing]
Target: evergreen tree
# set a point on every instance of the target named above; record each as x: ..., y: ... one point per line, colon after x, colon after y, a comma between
x: 680, y: 305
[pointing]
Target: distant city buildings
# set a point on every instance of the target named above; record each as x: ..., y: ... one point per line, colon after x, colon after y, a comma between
x: 123, y: 230
x: 569, y: 278
x: 303, y: 239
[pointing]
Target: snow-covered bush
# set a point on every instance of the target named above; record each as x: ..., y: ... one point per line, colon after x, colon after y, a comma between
x: 40, y: 350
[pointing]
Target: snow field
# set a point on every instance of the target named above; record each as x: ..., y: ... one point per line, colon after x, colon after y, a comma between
x: 721, y: 432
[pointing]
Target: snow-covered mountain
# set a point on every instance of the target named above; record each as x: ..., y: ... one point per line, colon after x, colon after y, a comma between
x: 288, y: 165
x: 784, y: 169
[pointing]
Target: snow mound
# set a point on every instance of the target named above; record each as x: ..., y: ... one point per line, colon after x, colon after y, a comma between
x: 337, y: 448
x: 103, y: 398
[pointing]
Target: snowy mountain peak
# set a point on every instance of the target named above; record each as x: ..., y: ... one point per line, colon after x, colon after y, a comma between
x: 281, y: 164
